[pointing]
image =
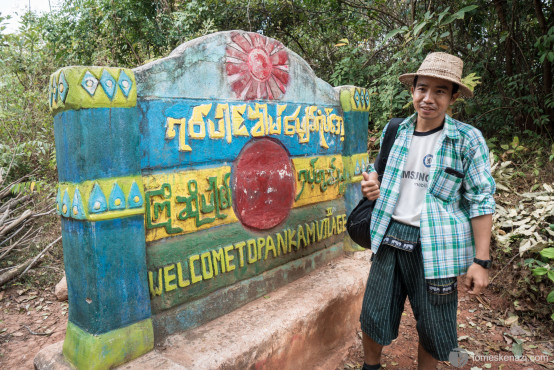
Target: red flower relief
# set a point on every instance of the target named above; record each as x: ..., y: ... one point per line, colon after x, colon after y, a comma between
x: 257, y: 67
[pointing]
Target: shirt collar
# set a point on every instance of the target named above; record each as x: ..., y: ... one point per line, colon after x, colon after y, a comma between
x: 450, y: 129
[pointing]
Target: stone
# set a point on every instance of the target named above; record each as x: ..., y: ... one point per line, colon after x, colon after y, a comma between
x: 61, y: 290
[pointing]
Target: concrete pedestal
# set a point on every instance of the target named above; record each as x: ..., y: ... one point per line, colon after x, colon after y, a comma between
x: 307, y: 324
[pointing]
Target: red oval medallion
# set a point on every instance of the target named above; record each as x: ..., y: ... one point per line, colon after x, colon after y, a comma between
x: 263, y: 184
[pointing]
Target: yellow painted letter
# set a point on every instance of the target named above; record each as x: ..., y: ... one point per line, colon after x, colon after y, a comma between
x: 217, y: 256
x: 197, y: 120
x: 252, y: 251
x: 193, y: 277
x: 240, y: 247
x: 206, y: 259
x: 182, y: 283
x: 168, y: 278
x: 154, y: 291
x: 228, y: 258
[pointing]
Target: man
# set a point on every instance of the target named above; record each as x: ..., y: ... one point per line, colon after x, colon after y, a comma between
x: 432, y: 220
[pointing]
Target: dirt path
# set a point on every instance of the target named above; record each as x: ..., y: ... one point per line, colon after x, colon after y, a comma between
x: 487, y: 326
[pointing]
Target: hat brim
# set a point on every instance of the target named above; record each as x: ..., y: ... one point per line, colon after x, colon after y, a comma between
x: 408, y: 80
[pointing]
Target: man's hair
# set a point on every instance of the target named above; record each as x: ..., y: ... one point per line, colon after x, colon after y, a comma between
x: 455, y: 86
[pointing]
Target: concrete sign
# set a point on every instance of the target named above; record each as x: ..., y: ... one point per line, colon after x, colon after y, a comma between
x: 196, y: 183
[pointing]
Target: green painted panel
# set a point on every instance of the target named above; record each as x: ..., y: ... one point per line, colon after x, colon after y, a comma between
x: 215, y: 254
x: 225, y: 300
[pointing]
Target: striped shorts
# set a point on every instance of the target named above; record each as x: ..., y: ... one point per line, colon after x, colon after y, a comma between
x: 396, y: 274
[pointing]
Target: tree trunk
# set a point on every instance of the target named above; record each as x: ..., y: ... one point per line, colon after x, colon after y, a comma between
x: 413, y: 4
x: 546, y: 65
x: 498, y: 4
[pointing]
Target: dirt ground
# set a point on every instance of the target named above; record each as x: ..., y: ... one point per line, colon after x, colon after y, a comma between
x: 30, y: 320
x: 488, y: 325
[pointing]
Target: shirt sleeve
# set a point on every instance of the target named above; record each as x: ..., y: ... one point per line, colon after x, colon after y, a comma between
x: 479, y: 184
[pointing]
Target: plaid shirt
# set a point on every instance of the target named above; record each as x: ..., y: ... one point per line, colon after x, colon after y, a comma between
x: 461, y: 187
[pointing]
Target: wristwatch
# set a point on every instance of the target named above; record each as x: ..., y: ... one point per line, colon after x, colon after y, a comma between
x: 483, y: 263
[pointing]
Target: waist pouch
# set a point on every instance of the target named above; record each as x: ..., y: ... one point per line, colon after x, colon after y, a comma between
x: 401, y: 236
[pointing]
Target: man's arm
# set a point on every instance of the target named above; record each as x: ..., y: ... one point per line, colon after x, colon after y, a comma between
x: 477, y: 277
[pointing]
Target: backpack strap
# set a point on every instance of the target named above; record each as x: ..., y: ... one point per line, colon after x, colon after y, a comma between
x: 386, y: 146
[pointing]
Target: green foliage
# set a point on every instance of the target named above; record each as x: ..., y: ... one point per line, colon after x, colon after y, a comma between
x: 540, y: 268
x: 125, y: 33
x: 26, y: 135
x: 545, y: 46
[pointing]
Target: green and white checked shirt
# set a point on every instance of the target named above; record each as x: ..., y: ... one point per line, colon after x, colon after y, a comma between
x: 453, y: 197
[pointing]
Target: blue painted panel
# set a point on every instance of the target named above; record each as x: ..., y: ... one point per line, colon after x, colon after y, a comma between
x: 106, y: 273
x: 355, y: 132
x: 97, y: 143
x: 352, y: 196
x: 159, y: 152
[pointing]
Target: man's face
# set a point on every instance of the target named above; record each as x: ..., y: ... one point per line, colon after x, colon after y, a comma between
x: 432, y: 96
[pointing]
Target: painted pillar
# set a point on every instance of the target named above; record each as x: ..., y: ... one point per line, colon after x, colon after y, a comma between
x: 355, y: 105
x: 101, y: 201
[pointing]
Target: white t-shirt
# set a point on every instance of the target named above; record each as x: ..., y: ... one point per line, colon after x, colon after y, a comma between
x: 415, y: 177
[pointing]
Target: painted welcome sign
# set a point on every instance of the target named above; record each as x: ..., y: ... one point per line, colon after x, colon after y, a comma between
x: 196, y: 183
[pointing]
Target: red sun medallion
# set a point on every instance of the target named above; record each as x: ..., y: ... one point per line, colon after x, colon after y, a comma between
x: 257, y: 67
x: 263, y: 184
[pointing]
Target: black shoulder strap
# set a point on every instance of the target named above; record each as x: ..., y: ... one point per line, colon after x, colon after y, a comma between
x: 388, y: 141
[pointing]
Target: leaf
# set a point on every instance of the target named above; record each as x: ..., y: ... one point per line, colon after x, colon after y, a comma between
x: 551, y: 275
x: 548, y: 253
x: 517, y: 349
x: 342, y: 42
x: 468, y: 8
x: 391, y: 34
x: 515, y: 142
x: 510, y: 320
x: 502, y: 187
x: 441, y: 15
x: 471, y: 81
x: 550, y: 298
x: 419, y: 27
x: 539, y: 271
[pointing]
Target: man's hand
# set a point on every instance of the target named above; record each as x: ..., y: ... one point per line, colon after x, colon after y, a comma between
x: 370, y: 185
x: 477, y: 279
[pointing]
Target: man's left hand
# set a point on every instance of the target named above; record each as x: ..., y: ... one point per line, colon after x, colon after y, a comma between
x: 477, y: 279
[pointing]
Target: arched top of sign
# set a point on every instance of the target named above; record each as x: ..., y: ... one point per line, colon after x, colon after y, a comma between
x: 247, y: 65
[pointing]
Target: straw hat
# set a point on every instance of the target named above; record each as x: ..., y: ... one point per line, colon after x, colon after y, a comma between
x: 440, y: 65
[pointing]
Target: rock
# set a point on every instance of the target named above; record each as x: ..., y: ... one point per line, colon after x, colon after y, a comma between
x: 61, y: 290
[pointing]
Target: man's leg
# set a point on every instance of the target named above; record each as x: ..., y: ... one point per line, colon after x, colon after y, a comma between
x: 372, y: 350
x: 424, y: 360
x: 382, y: 306
x: 435, y: 313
